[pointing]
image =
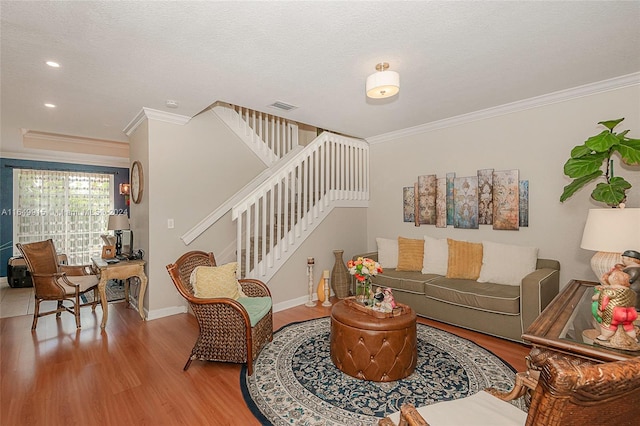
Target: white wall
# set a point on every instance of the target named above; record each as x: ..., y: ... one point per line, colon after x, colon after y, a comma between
x: 537, y: 142
x: 344, y: 229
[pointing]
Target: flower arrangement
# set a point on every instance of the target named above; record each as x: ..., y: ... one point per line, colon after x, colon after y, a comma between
x: 363, y: 269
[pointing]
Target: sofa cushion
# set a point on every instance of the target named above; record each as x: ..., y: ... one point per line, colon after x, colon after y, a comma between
x: 410, y: 254
x: 465, y: 260
x: 436, y: 256
x: 387, y: 252
x: 409, y: 281
x: 504, y: 299
x: 506, y: 264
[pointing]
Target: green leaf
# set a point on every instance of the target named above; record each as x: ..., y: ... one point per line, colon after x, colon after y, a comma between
x: 629, y: 150
x: 580, y: 151
x: 574, y: 186
x: 610, y: 124
x: 602, y: 142
x: 612, y: 193
x: 579, y: 167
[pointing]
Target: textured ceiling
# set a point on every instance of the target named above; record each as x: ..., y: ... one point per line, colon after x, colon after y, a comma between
x: 453, y: 58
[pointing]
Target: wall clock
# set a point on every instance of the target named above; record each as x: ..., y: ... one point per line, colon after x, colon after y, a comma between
x: 137, y: 182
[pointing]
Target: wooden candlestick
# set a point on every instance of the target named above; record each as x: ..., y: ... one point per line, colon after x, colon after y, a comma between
x: 327, y: 290
x: 310, y: 263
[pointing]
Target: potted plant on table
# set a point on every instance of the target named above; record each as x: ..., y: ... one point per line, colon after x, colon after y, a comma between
x: 587, y: 162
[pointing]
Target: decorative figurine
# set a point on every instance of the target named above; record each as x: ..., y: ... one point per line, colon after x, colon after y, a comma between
x: 389, y: 301
x: 615, y: 310
x: 378, y: 297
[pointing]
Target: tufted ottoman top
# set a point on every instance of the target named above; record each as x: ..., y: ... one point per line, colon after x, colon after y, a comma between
x: 354, y: 318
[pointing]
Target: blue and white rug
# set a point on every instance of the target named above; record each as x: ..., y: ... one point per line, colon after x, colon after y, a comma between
x: 294, y: 381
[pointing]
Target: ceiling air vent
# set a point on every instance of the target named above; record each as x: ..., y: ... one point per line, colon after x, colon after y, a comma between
x: 282, y: 106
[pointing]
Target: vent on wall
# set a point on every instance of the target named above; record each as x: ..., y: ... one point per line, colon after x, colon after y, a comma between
x: 282, y: 106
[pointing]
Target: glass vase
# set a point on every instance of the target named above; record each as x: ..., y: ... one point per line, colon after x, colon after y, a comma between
x: 363, y: 292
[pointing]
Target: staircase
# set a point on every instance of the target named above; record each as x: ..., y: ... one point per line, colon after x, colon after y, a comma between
x: 282, y: 206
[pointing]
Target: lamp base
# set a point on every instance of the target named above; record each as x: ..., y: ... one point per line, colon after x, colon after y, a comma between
x: 603, y: 261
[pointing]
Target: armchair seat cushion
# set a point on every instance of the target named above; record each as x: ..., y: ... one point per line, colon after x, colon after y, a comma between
x: 480, y: 409
x: 84, y: 281
x: 256, y: 307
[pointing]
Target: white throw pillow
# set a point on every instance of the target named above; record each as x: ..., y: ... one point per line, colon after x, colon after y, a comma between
x: 506, y: 264
x: 387, y: 252
x: 436, y: 256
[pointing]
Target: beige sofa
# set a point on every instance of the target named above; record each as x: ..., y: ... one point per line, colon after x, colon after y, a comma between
x: 495, y: 309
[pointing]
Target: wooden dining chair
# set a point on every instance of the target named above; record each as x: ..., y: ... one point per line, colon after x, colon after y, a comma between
x: 53, y: 281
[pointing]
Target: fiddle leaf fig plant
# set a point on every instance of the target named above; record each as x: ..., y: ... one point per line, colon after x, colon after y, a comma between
x: 588, y: 160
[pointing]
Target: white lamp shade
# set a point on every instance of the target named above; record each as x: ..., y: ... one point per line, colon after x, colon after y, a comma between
x: 118, y: 222
x: 612, y: 230
x: 383, y: 84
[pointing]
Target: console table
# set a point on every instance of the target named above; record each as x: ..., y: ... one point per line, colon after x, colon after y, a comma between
x: 557, y: 332
x: 122, y: 270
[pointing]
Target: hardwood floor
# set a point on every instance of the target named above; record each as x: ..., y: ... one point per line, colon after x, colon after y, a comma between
x: 132, y: 372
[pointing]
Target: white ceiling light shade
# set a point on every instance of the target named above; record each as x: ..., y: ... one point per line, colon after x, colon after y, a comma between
x: 383, y: 83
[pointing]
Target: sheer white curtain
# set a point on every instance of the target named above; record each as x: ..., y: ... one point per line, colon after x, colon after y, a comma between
x: 72, y: 208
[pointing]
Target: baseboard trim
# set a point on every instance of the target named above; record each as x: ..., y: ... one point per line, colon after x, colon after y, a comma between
x: 165, y: 312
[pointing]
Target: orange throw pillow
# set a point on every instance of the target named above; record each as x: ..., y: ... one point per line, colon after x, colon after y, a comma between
x: 410, y: 254
x: 465, y: 260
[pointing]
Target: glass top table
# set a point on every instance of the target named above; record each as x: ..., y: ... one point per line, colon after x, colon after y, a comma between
x: 561, y: 325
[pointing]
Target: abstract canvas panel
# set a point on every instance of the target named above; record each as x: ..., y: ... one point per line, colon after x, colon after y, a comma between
x: 416, y: 196
x: 441, y: 203
x: 524, y: 203
x: 408, y: 204
x: 465, y: 195
x: 450, y: 210
x: 427, y: 199
x: 485, y: 196
x: 506, y: 203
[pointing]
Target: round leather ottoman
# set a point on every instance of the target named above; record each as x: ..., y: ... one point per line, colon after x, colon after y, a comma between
x: 370, y: 348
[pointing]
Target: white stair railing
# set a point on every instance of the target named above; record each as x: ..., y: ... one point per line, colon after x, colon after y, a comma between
x: 272, y: 221
x: 270, y: 137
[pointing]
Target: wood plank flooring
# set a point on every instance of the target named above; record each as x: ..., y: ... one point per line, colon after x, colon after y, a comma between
x: 132, y: 372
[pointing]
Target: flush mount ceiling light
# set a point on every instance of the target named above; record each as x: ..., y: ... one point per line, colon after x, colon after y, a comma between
x: 48, y: 105
x: 53, y: 64
x: 383, y: 83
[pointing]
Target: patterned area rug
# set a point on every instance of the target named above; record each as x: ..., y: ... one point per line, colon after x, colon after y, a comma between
x: 295, y: 383
x: 115, y: 292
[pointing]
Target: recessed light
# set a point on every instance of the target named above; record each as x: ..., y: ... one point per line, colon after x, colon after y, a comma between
x: 53, y: 64
x: 50, y: 105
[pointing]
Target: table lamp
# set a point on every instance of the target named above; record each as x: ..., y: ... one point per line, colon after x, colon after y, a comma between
x: 118, y: 222
x: 610, y: 232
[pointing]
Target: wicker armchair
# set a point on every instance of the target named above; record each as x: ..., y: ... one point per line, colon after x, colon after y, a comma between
x: 52, y: 281
x: 570, y: 392
x: 226, y: 333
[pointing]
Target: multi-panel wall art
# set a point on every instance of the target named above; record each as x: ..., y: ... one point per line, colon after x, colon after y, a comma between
x: 492, y: 197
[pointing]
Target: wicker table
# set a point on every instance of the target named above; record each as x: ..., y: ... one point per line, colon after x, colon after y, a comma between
x: 370, y: 348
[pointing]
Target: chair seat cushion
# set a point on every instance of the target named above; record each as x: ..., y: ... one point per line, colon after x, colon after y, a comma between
x: 84, y: 281
x: 480, y: 409
x: 256, y: 307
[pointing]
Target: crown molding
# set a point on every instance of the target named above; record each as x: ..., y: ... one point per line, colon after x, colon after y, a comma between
x: 67, y: 157
x: 154, y: 114
x: 75, y: 140
x: 535, y: 102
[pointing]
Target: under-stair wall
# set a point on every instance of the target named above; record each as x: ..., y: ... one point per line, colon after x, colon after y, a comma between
x: 272, y: 221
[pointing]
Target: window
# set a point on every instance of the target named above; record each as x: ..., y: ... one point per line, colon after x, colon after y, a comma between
x: 72, y: 208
